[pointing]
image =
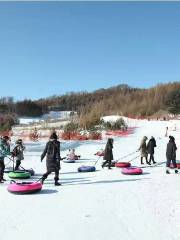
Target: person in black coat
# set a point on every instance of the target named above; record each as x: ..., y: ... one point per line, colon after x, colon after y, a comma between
x: 52, y: 151
x: 108, y: 154
x: 150, y: 148
x: 171, y: 154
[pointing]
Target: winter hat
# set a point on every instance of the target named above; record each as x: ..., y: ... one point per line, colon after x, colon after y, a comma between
x: 110, y: 140
x: 145, y: 138
x: 5, y: 138
x: 19, y: 141
x: 53, y: 136
x: 171, y: 138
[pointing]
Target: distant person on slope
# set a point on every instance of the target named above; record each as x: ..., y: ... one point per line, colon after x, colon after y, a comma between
x: 52, y: 150
x: 150, y: 147
x: 166, y: 132
x: 4, y: 151
x: 18, y: 153
x: 108, y: 153
x: 171, y: 154
x: 143, y: 150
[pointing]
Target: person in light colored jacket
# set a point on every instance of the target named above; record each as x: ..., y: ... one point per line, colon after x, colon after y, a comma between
x: 18, y: 153
x: 143, y: 150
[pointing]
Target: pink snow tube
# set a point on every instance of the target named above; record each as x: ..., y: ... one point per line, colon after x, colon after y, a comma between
x: 24, y: 187
x: 172, y: 166
x: 122, y: 164
x: 132, y: 171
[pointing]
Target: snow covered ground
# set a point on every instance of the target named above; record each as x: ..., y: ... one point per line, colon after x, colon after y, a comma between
x: 55, y: 115
x: 101, y: 205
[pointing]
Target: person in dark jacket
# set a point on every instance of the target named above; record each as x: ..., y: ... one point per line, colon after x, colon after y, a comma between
x: 150, y: 148
x: 52, y: 153
x: 171, y: 154
x: 108, y: 154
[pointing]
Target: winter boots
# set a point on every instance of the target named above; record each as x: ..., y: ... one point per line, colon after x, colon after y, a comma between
x: 43, y: 179
x: 146, y: 161
x: 168, y: 172
x: 56, y: 183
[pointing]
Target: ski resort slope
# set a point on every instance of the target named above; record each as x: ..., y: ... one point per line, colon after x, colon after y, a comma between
x: 101, y: 205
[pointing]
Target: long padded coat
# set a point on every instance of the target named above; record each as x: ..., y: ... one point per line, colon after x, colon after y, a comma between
x: 171, y: 150
x: 52, y: 152
x: 108, y: 154
x: 151, y: 145
x: 143, y: 147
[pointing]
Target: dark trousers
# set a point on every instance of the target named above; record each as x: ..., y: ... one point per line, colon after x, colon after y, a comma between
x: 18, y: 163
x: 108, y: 163
x: 2, y: 167
x: 142, y: 160
x: 56, y: 178
x: 168, y: 162
x: 151, y: 158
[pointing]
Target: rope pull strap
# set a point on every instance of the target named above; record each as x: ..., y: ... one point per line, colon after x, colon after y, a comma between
x: 127, y: 155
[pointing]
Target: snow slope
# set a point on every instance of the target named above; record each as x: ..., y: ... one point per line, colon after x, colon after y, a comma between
x: 101, y: 205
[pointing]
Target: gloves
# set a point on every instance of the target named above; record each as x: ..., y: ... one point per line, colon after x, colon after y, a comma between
x: 41, y: 159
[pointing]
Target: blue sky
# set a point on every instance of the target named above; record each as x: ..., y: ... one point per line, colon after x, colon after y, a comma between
x: 49, y: 48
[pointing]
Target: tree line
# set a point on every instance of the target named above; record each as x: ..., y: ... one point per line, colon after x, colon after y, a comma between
x: 122, y: 100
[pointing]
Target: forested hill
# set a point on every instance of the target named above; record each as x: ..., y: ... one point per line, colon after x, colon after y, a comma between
x: 121, y: 99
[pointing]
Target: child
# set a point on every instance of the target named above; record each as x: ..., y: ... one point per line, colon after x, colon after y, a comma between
x: 18, y: 153
x: 72, y: 156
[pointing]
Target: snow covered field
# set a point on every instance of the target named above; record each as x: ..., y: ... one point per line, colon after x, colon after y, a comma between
x: 101, y: 205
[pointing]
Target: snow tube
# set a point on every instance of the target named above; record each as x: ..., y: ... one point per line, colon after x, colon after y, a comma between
x: 172, y: 166
x: 86, y: 169
x: 122, y: 164
x: 8, y: 170
x: 68, y: 161
x: 24, y: 187
x: 132, y: 171
x: 31, y: 171
x: 19, y: 174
